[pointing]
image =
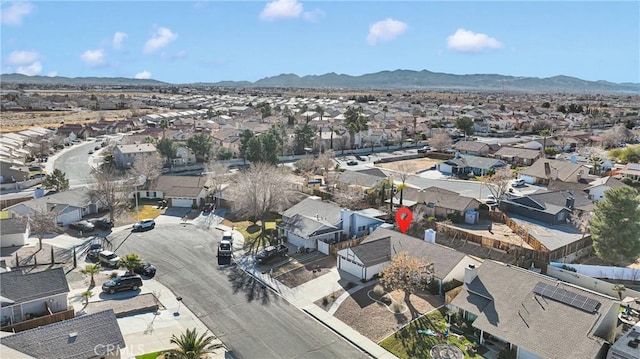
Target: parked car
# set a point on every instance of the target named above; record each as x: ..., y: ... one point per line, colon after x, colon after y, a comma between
x: 144, y: 225
x: 91, y: 152
x: 424, y: 149
x: 84, y: 226
x: 102, y: 223
x: 491, y: 199
x: 359, y: 158
x: 95, y: 247
x: 518, y: 182
x: 271, y: 252
x: 145, y: 269
x: 37, y: 175
x: 227, y: 236
x: 125, y: 282
x: 96, y: 148
x: 351, y: 163
x: 108, y: 259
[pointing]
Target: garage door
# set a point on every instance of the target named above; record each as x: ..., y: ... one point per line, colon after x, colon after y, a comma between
x: 181, y: 202
x: 350, y: 267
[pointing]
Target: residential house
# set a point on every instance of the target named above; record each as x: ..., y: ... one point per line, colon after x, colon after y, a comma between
x: 535, y: 315
x: 377, y: 250
x: 12, y: 170
x: 553, y: 207
x: 598, y: 187
x: 127, y: 155
x: 69, y: 206
x: 89, y: 336
x: 544, y: 170
x: 627, y: 346
x: 630, y: 171
x: 437, y: 202
x: 466, y: 165
x: 13, y: 232
x: 517, y: 156
x: 71, y: 131
x: 180, y: 191
x: 473, y: 148
x: 357, y: 179
x: 184, y: 157
x: 313, y: 223
x: 29, y: 296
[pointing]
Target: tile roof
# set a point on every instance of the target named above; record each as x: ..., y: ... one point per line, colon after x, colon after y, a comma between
x: 93, y: 332
x: 503, y: 299
x: 380, y: 245
x: 21, y: 288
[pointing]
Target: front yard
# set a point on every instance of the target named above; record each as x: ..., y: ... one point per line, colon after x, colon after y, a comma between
x: 374, y: 320
x: 416, y: 339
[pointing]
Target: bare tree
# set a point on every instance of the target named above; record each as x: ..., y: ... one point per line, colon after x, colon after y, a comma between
x: 326, y: 161
x: 581, y: 220
x: 350, y: 197
x: 150, y: 167
x: 404, y: 171
x: 343, y: 142
x: 440, y: 142
x: 262, y: 189
x: 41, y: 223
x: 305, y: 165
x: 406, y: 273
x: 218, y: 174
x: 498, y: 182
x: 111, y: 189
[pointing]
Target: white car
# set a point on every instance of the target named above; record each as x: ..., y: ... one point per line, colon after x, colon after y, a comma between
x: 144, y: 225
x: 491, y: 199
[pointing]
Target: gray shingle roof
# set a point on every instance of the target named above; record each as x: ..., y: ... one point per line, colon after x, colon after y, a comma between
x: 315, y: 208
x: 517, y: 152
x: 180, y: 186
x: 22, y: 288
x: 359, y: 179
x: 472, y: 146
x: 306, y: 227
x: 383, y: 243
x: 440, y: 197
x: 502, y: 297
x: 565, y: 171
x: 12, y: 226
x: 94, y: 332
x: 78, y: 197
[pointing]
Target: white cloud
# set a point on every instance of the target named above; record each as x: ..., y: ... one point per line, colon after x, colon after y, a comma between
x: 162, y: 37
x: 94, y: 58
x: 313, y: 15
x: 13, y: 14
x: 52, y: 74
x: 22, y: 57
x: 281, y: 9
x: 468, y: 41
x: 385, y: 30
x: 31, y: 70
x: 118, y: 38
x: 143, y: 75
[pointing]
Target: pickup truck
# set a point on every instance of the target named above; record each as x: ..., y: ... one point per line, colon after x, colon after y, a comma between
x: 225, y: 253
x: 271, y: 252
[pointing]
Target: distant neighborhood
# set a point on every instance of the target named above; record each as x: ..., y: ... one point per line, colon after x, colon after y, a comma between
x: 523, y: 237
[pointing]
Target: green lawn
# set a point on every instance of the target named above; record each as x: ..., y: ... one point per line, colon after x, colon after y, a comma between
x: 408, y: 343
x: 153, y: 355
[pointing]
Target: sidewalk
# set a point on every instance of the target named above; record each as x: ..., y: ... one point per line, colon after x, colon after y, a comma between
x: 150, y: 332
x: 304, y: 296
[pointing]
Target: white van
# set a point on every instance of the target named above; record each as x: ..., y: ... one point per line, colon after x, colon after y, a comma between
x: 518, y: 182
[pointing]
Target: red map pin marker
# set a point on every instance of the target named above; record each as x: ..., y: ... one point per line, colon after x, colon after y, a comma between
x: 403, y: 218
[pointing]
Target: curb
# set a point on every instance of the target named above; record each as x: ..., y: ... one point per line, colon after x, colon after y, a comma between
x: 338, y: 333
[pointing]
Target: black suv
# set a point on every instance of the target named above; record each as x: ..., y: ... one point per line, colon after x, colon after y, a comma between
x: 83, y: 226
x: 125, y: 282
x: 145, y: 269
x: 102, y: 223
x: 95, y: 247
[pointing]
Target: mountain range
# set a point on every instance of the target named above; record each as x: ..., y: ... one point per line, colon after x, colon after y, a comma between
x: 398, y: 79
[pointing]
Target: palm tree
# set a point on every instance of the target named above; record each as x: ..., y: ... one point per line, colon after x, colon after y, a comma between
x: 130, y: 262
x: 91, y: 269
x: 86, y: 295
x: 355, y: 122
x: 619, y: 288
x: 164, y: 124
x: 190, y: 345
x: 544, y: 133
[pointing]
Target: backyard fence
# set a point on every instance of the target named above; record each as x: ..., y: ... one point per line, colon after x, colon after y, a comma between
x: 334, y: 248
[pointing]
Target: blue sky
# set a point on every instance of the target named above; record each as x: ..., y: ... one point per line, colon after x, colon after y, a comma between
x: 209, y: 41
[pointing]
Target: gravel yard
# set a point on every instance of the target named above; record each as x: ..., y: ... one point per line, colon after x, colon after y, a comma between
x: 373, y: 319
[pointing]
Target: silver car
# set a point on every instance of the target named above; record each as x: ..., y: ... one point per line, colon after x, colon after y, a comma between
x: 144, y: 225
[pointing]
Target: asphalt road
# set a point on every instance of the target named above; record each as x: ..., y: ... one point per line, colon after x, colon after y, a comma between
x: 252, y: 321
x: 75, y: 163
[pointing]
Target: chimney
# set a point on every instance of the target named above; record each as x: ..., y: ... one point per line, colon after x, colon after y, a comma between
x: 547, y: 169
x: 470, y: 273
x: 569, y: 203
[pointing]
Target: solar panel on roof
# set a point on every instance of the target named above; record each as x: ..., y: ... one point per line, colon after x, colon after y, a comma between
x: 567, y: 297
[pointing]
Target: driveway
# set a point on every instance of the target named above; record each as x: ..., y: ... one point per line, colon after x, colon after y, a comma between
x: 247, y: 316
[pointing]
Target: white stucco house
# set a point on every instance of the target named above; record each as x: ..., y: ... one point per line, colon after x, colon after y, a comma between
x: 598, y: 187
x: 13, y: 232
x: 376, y: 252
